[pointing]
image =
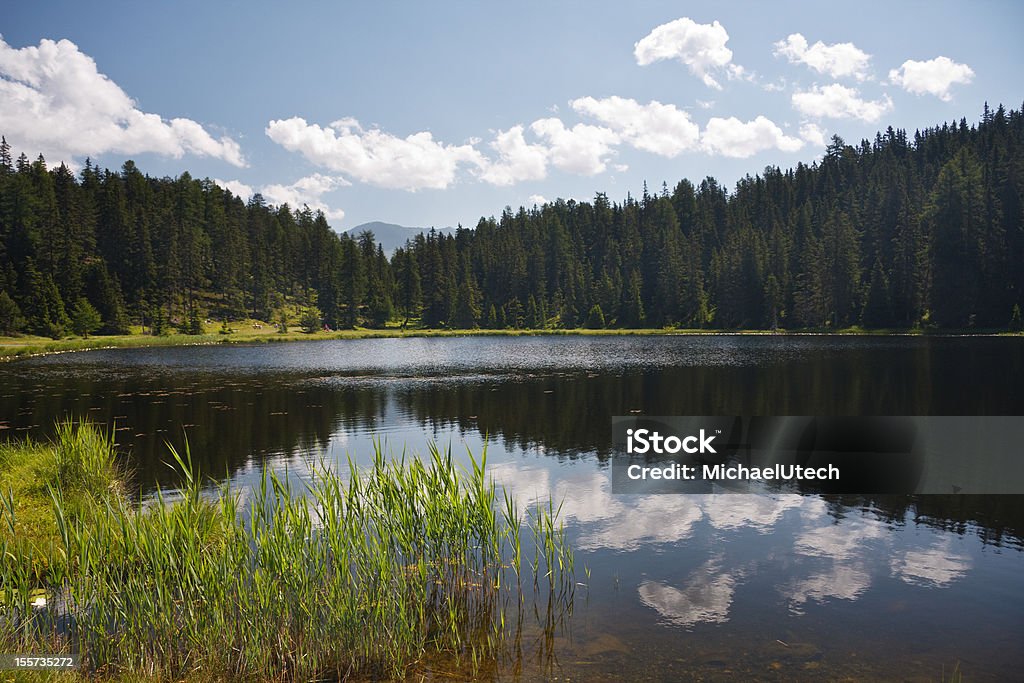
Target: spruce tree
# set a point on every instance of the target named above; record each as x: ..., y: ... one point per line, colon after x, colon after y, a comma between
x: 85, y: 319
x: 11, y: 320
x: 595, y: 319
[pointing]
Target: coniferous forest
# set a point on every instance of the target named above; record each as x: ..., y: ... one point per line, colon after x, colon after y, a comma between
x: 903, y: 231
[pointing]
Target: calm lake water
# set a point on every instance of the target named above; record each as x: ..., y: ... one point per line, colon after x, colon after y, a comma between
x: 709, y: 587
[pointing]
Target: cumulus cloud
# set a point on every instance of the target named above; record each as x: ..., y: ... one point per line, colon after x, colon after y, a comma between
x: 582, y: 149
x: 373, y: 156
x: 653, y: 127
x: 838, y: 60
x: 738, y: 139
x: 237, y: 187
x: 537, y: 199
x: 53, y: 99
x: 304, y: 191
x: 518, y: 160
x: 839, y: 102
x: 701, y: 47
x: 933, y: 77
x: 418, y: 161
x: 812, y: 134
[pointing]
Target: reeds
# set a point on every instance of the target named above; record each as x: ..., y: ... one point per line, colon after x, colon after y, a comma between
x: 403, y: 561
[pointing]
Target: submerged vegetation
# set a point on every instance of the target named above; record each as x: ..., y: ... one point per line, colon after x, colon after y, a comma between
x: 365, y: 575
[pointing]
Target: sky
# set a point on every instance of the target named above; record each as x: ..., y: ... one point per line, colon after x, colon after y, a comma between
x: 435, y: 114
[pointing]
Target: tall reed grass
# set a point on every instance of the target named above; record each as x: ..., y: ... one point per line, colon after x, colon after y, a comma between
x: 370, y: 576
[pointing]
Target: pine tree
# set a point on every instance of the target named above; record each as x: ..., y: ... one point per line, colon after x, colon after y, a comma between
x: 195, y: 321
x: 5, y: 157
x: 85, y: 319
x: 878, y: 304
x: 595, y: 318
x: 467, y: 310
x: 311, y: 320
x: 158, y: 326
x: 11, y: 321
x: 408, y: 283
x: 533, y: 319
x: 955, y: 213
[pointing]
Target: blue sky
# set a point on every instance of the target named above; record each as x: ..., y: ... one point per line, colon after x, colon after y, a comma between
x: 435, y: 114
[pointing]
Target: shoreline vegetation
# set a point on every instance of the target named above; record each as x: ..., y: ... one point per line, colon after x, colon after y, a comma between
x: 376, y: 574
x: 26, y: 346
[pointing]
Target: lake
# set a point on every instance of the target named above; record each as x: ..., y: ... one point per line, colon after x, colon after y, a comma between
x: 729, y: 587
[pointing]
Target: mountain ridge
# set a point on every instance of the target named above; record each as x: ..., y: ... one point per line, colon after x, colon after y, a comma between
x: 391, y: 236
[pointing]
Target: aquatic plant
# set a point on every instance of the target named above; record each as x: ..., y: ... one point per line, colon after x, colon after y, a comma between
x: 367, y: 574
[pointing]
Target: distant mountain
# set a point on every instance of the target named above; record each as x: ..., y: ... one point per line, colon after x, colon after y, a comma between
x: 391, y: 236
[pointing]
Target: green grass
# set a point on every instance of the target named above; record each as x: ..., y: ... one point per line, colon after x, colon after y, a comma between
x: 371, y: 576
x: 80, y: 462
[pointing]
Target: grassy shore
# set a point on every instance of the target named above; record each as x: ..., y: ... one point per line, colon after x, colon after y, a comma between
x: 370, y: 576
x: 27, y: 345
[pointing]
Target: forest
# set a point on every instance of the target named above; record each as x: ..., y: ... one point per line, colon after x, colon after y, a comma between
x: 900, y: 232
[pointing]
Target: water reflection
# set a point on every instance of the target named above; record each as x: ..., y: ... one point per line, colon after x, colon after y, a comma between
x: 698, y: 572
x: 704, y: 599
x: 812, y: 554
x: 933, y: 567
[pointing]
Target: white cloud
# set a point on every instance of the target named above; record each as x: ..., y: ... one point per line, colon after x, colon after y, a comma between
x: 306, y: 191
x: 838, y: 60
x: 373, y: 156
x: 582, y: 149
x: 813, y: 134
x: 538, y: 199
x: 735, y: 72
x: 839, y: 102
x: 705, y: 104
x: 54, y: 100
x: 237, y: 188
x: 701, y: 47
x: 518, y: 160
x: 934, y: 77
x: 653, y: 127
x: 738, y: 139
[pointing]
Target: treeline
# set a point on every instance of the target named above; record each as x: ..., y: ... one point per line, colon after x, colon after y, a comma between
x: 894, y: 232
x: 166, y: 252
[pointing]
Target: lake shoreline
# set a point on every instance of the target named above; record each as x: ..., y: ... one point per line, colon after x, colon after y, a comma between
x: 15, y: 348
